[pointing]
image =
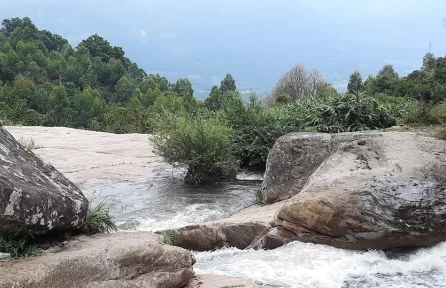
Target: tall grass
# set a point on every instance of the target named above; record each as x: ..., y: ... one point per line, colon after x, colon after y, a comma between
x: 99, y: 220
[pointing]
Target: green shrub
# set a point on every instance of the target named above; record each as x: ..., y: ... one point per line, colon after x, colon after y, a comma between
x: 439, y: 112
x: 99, y: 220
x: 397, y: 107
x: 197, y: 142
x: 421, y: 113
x: 256, y: 128
x: 348, y: 113
x: 18, y: 246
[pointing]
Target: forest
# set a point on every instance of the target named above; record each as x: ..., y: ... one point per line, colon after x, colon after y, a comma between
x: 45, y: 81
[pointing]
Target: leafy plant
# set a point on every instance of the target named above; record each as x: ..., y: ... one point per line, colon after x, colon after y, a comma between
x: 99, y: 220
x: 422, y: 113
x: 199, y: 143
x: 18, y: 246
x: 348, y: 113
x: 167, y: 239
x: 260, y: 195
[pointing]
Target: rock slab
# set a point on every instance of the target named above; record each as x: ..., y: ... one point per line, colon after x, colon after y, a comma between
x: 118, y: 260
x: 373, y: 190
x: 34, y: 197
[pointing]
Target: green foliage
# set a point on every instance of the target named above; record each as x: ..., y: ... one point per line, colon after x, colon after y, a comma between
x: 355, y: 84
x: 199, y: 143
x: 256, y: 127
x: 167, y: 239
x: 283, y: 99
x: 99, y: 220
x: 228, y: 84
x: 347, y: 113
x: 397, y: 107
x: 18, y: 246
x: 260, y: 195
x: 422, y: 113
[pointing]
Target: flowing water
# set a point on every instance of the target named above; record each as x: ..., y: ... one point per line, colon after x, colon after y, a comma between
x: 167, y: 203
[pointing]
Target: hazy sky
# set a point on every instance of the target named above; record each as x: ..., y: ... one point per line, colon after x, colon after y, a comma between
x: 255, y: 40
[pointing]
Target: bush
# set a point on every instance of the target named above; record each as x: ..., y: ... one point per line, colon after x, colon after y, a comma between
x: 397, y: 107
x: 256, y: 128
x: 99, y: 220
x: 348, y: 113
x: 423, y: 114
x: 199, y: 143
x: 439, y: 112
x: 18, y: 246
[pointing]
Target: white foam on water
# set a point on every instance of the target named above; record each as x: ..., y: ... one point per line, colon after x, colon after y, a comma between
x: 190, y: 215
x: 303, y: 265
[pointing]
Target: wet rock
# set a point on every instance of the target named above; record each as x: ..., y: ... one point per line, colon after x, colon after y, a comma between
x: 212, y: 236
x: 215, y: 281
x: 34, y: 197
x: 372, y: 191
x: 133, y: 260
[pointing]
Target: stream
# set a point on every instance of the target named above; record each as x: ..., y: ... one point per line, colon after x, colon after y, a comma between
x: 165, y: 202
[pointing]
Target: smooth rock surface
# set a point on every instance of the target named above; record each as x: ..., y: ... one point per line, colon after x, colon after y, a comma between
x: 34, y: 197
x: 291, y: 162
x: 216, y: 281
x: 373, y: 191
x: 119, y: 260
x: 85, y: 156
x: 241, y: 230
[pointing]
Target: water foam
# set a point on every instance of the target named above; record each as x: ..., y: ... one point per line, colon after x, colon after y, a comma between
x: 303, y: 265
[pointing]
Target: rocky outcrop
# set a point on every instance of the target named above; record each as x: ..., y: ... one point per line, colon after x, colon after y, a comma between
x: 373, y: 190
x: 291, y: 162
x: 133, y: 260
x: 34, y: 197
x: 215, y: 281
x: 241, y: 230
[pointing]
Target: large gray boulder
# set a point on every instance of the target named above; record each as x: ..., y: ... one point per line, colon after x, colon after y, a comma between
x: 118, y: 260
x: 34, y: 197
x: 291, y: 162
x: 372, y: 190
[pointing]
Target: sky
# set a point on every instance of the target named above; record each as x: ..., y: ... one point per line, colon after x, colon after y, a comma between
x: 254, y: 40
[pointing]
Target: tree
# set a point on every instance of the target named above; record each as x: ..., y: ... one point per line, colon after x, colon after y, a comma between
x: 99, y: 47
x: 87, y: 106
x: 299, y: 83
x: 124, y: 90
x: 228, y: 84
x: 183, y: 87
x: 214, y: 100
x: 355, y: 84
x: 388, y: 72
x: 60, y: 107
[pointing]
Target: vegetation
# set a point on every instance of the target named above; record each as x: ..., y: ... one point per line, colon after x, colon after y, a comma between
x: 29, y: 143
x: 199, y: 143
x: 18, y: 246
x: 99, y: 220
x: 167, y: 239
x: 45, y: 81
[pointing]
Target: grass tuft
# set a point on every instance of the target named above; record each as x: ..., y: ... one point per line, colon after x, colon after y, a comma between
x: 260, y: 195
x: 29, y: 143
x: 99, y: 220
x: 167, y: 239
